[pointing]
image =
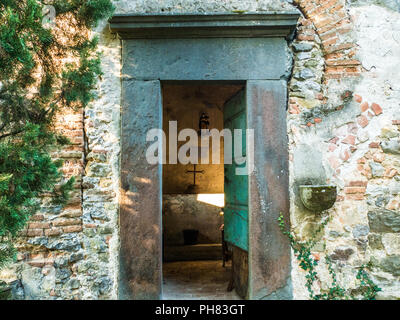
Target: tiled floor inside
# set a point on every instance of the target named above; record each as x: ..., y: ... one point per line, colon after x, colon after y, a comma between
x: 197, y: 280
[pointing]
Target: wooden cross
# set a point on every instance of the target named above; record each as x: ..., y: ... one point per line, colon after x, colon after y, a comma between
x: 194, y: 171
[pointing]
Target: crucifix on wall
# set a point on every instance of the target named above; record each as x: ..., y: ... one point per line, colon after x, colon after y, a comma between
x: 194, y: 171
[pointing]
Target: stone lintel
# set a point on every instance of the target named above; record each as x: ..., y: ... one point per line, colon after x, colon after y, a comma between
x: 208, y: 25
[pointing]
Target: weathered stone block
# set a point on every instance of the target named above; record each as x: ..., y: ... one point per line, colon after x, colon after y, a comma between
x: 375, y: 241
x: 304, y: 74
x: 391, y: 264
x: 360, y: 231
x: 303, y: 46
x: 174, y: 59
x: 377, y: 169
x: 74, y: 284
x: 381, y: 220
x: 391, y: 243
x: 391, y: 146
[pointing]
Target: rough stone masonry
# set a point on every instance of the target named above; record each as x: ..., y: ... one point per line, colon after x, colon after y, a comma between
x: 343, y: 127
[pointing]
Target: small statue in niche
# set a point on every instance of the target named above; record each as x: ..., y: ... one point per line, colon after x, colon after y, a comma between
x: 204, y: 122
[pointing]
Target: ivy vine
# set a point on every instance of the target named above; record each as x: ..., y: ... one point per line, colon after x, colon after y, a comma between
x: 366, y: 290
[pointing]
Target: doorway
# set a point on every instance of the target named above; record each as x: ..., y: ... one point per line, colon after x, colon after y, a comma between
x: 197, y: 257
x: 250, y: 48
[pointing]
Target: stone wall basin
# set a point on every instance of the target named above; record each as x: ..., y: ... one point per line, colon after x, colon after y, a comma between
x: 318, y: 198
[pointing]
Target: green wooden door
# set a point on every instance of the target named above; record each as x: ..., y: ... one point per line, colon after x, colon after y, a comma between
x: 236, y: 211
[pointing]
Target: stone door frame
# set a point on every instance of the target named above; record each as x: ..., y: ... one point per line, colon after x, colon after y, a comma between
x: 208, y: 47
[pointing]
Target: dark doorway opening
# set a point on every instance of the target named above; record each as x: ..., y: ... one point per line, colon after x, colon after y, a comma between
x: 193, y: 198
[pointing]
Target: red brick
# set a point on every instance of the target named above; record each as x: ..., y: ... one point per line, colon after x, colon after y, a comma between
x: 303, y: 37
x: 334, y: 56
x: 357, y: 98
x: 379, y: 157
x: 34, y: 232
x: 305, y: 22
x: 355, y: 70
x: 37, y: 217
x: 316, y: 256
x: 90, y: 226
x: 376, y: 108
x: 328, y: 35
x: 294, y: 109
x: 334, y: 161
x: 337, y: 10
x: 37, y: 264
x: 339, y: 47
x: 39, y: 225
x: 347, y: 62
x: 361, y: 160
x: 390, y: 172
x: 362, y: 121
x: 353, y: 190
x: 330, y: 42
x: 323, y: 20
x: 333, y: 75
x: 70, y: 229
x: 374, y: 145
x: 356, y: 196
x: 396, y: 122
x: 364, y: 106
x: 332, y: 147
x: 334, y: 140
x: 352, y: 128
x: 393, y: 205
x: 357, y: 183
x: 344, y: 30
x: 345, y: 155
x: 350, y: 139
x: 339, y: 198
x: 368, y: 155
x: 67, y: 222
x: 53, y: 232
x: 317, y: 120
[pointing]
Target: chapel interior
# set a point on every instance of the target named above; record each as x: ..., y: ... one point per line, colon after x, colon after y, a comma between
x: 193, y: 198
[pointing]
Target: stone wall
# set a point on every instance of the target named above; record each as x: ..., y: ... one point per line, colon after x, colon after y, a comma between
x: 184, y: 211
x: 72, y: 253
x: 343, y: 127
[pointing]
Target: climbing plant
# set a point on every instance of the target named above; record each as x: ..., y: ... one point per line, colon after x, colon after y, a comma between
x: 48, y: 63
x: 302, y: 250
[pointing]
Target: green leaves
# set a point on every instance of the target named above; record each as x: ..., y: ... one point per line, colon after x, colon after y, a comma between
x: 35, y: 84
x: 94, y: 10
x: 367, y: 287
x: 307, y: 262
x: 79, y: 83
x: 28, y: 171
x: 7, y: 253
